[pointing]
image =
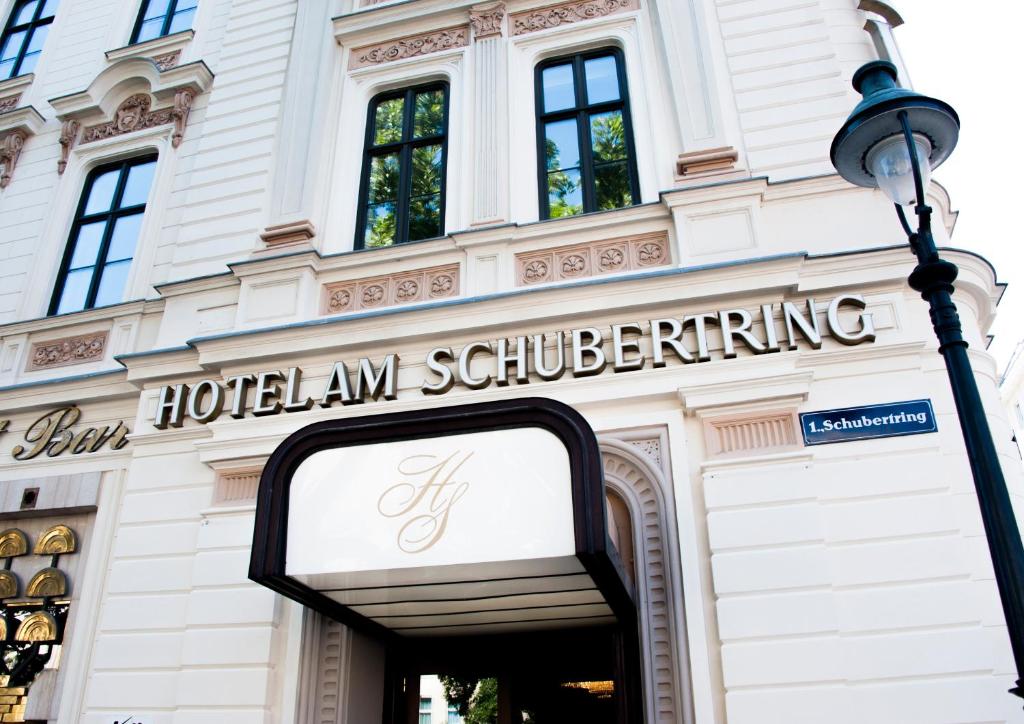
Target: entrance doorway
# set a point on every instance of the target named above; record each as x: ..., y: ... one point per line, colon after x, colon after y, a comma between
x: 586, y: 674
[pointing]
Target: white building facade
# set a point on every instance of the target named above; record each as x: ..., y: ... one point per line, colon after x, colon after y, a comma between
x: 623, y: 206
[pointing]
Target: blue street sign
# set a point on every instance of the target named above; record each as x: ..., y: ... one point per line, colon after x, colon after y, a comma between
x: 891, y: 419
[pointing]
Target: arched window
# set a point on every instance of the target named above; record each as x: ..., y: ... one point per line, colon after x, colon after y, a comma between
x: 24, y: 36
x: 104, y: 235
x: 401, y: 195
x: 585, y: 151
x: 163, y: 17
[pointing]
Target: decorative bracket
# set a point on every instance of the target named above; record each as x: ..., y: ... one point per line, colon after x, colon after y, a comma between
x: 15, y: 128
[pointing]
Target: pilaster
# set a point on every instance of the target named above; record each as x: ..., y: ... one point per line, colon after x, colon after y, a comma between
x: 490, y: 124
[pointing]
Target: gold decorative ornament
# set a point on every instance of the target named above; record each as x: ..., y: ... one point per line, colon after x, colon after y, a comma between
x: 8, y: 586
x: 13, y: 543
x: 40, y: 626
x: 47, y: 583
x: 3, y: 637
x: 56, y: 541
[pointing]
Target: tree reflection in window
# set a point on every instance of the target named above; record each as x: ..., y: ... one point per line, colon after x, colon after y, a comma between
x: 584, y: 135
x: 402, y: 191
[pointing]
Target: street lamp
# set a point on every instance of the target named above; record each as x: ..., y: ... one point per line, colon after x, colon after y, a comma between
x: 892, y: 140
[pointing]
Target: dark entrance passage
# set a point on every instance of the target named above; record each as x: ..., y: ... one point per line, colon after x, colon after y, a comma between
x: 542, y: 677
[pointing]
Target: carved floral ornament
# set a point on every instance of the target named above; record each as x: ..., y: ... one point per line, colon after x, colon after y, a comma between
x: 486, y: 20
x: 134, y: 114
x: 401, y: 288
x: 553, y: 16
x: 585, y: 260
x: 409, y: 47
x: 9, y: 103
x: 78, y: 349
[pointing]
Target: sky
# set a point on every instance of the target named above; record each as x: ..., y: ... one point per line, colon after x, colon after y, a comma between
x: 971, y: 55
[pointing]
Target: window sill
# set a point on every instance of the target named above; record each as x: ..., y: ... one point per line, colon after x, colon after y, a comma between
x: 151, y: 49
x: 16, y: 85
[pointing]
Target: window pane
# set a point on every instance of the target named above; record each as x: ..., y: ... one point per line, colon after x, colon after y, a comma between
x: 101, y: 193
x: 429, y: 114
x: 561, y: 145
x: 380, y: 225
x: 35, y: 44
x: 49, y: 9
x: 426, y: 170
x: 12, y: 46
x: 602, y: 79
x: 387, y: 126
x: 565, y: 196
x: 383, y: 178
x: 6, y: 68
x: 608, y: 137
x: 424, y: 718
x: 26, y: 13
x: 136, y: 189
x: 87, y: 244
x: 156, y: 9
x: 425, y: 217
x: 149, y: 30
x: 124, y: 238
x: 612, y: 186
x: 76, y: 287
x: 186, y: 5
x: 28, y: 63
x: 181, y: 21
x: 111, y: 289
x: 558, y: 87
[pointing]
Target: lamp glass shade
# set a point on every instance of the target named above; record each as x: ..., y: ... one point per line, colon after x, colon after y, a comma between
x: 889, y: 162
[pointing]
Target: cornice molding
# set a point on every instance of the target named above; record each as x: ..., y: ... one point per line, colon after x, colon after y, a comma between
x: 153, y: 49
x: 106, y: 92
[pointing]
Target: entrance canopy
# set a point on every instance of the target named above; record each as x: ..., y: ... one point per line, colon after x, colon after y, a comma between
x: 472, y: 519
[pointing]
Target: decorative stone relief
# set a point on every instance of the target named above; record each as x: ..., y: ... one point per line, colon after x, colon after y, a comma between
x: 68, y: 137
x: 167, y: 60
x: 134, y: 114
x: 385, y: 291
x: 586, y: 260
x: 409, y: 47
x: 553, y: 16
x: 10, y: 151
x: 751, y: 433
x: 9, y: 103
x: 486, y: 20
x: 232, y: 487
x: 651, y: 448
x: 67, y: 351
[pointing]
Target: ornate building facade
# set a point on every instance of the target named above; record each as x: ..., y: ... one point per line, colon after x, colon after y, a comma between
x: 224, y: 221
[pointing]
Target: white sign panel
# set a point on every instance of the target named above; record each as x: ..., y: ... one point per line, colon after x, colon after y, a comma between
x: 454, y: 501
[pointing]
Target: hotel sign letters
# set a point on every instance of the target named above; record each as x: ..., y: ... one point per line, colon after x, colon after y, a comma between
x: 582, y: 352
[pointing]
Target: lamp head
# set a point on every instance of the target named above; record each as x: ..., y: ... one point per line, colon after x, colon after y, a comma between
x: 870, y: 149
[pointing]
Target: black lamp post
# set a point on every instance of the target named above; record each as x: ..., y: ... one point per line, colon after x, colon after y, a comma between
x: 892, y: 141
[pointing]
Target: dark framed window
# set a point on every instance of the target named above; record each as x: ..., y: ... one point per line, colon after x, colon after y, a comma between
x: 24, y: 36
x: 158, y: 18
x: 586, y: 160
x: 401, y: 194
x: 103, y: 237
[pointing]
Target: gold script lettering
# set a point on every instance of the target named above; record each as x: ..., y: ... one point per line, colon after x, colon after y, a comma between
x: 50, y: 432
x: 428, y: 495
